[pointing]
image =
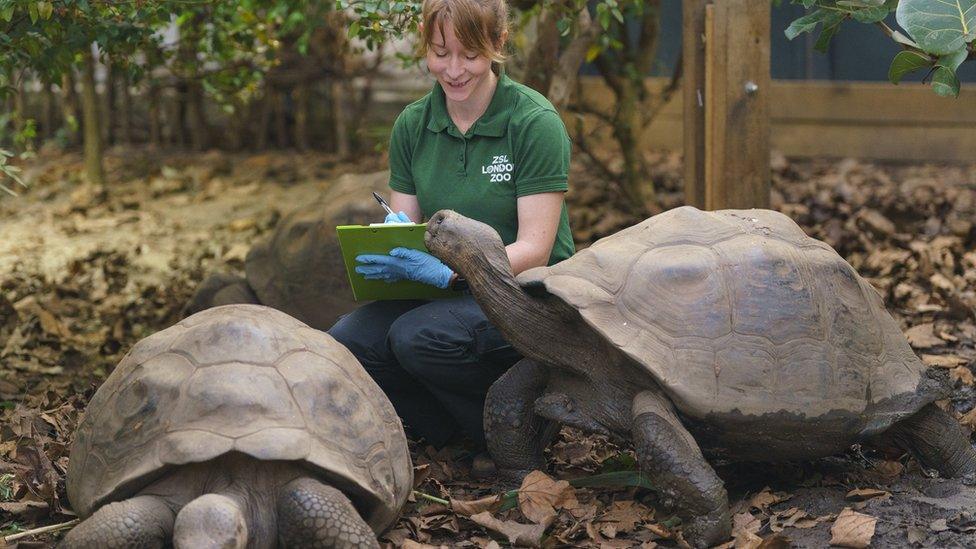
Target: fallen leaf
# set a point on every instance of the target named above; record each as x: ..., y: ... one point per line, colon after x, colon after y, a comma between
x: 852, y: 529
x: 916, y: 535
x: 969, y: 419
x: 767, y: 497
x: 473, y: 507
x: 923, y: 336
x: 864, y: 494
x: 746, y: 540
x: 746, y: 522
x: 625, y: 515
x: 962, y: 374
x: 516, y: 532
x: 411, y: 544
x: 943, y: 361
x: 939, y: 525
x: 540, y: 496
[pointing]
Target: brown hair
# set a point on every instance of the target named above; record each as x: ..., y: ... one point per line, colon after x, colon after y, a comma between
x: 480, y: 25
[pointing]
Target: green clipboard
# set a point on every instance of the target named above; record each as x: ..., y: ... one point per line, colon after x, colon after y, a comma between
x: 356, y: 240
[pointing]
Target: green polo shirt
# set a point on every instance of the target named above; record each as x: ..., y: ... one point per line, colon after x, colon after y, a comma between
x: 518, y: 147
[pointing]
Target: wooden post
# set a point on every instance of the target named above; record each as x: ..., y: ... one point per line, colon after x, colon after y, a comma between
x: 727, y: 103
x: 693, y: 65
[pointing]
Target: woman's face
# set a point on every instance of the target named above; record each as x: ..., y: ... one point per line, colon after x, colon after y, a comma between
x: 462, y: 73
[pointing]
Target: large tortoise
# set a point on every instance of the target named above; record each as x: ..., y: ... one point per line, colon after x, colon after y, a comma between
x: 298, y: 268
x: 730, y: 332
x: 239, y: 426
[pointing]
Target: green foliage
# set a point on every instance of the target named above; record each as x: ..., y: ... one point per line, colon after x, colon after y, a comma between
x: 9, y: 172
x: 6, y: 487
x: 938, y: 35
x: 379, y: 21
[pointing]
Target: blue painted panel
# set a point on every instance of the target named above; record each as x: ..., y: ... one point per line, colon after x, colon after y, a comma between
x: 857, y: 52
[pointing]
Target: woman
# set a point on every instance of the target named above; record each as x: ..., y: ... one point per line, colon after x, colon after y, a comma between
x: 490, y: 149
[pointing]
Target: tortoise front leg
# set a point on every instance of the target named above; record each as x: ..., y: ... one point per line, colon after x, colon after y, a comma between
x: 937, y: 441
x: 675, y: 465
x: 517, y: 436
x: 140, y: 522
x: 312, y: 514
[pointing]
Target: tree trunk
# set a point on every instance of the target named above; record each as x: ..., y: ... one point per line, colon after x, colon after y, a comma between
x: 264, y: 120
x: 280, y: 123
x: 69, y: 107
x: 19, y: 110
x: 107, y: 104
x: 155, y: 123
x: 179, y: 137
x: 544, y: 55
x: 48, y: 115
x: 196, y: 117
x: 125, y: 109
x: 300, y: 99
x: 566, y: 75
x: 340, y: 88
x: 90, y: 119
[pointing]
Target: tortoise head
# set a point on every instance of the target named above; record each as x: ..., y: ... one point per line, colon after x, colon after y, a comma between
x: 466, y: 245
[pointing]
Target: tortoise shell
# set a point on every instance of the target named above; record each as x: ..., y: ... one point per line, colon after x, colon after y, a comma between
x: 298, y: 269
x: 740, y: 312
x: 243, y: 378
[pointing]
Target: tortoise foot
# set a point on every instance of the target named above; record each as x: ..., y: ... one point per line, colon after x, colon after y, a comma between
x: 144, y: 522
x: 312, y: 514
x: 677, y: 468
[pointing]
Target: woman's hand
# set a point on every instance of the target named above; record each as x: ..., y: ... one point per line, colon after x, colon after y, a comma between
x: 405, y: 264
x: 399, y: 217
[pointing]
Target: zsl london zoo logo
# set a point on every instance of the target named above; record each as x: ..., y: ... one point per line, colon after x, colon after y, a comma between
x: 500, y: 168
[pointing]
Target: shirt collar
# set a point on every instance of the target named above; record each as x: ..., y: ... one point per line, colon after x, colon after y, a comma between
x: 492, y: 123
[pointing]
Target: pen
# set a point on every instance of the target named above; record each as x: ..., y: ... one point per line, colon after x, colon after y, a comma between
x: 383, y: 203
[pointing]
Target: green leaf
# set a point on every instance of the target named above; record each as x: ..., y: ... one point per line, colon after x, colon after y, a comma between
x: 45, y: 9
x: 32, y: 12
x: 354, y: 29
x: 828, y: 32
x: 945, y: 82
x: 938, y: 26
x: 808, y: 23
x: 870, y: 15
x: 7, y: 13
x: 615, y: 479
x: 906, y: 62
x: 952, y: 60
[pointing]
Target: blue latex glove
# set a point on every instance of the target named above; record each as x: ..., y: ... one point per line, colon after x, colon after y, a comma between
x: 398, y: 217
x: 405, y: 264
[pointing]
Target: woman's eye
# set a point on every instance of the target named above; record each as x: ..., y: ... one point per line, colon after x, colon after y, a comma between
x: 471, y: 57
x: 440, y: 54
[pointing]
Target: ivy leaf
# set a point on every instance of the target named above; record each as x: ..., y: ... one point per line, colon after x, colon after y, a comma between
x: 906, y: 62
x: 939, y: 26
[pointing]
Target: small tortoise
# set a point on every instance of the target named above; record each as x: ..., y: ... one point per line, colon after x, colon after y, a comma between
x: 730, y: 332
x: 239, y: 426
x: 298, y: 268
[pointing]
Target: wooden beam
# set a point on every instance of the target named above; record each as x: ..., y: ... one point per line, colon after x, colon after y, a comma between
x: 870, y: 120
x: 737, y: 90
x: 693, y: 96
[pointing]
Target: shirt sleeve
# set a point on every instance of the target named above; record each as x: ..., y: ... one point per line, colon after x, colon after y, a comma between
x: 401, y: 151
x: 541, y: 155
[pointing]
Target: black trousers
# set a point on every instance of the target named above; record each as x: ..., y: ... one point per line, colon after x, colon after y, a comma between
x: 435, y: 360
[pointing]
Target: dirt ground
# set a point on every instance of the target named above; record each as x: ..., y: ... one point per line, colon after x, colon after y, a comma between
x: 87, y: 272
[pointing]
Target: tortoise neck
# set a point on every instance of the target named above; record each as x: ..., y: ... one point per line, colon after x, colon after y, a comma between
x: 542, y: 328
